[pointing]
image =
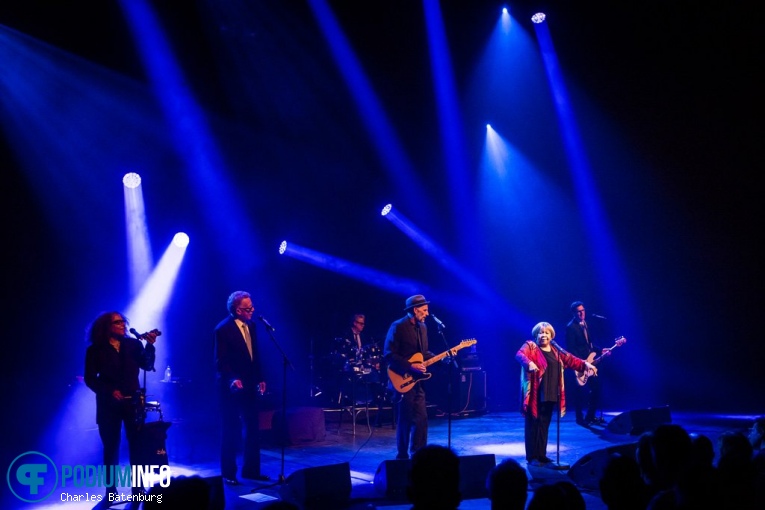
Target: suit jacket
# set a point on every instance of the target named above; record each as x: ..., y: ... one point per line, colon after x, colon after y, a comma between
x: 232, y: 359
x: 402, y: 342
x: 576, y: 342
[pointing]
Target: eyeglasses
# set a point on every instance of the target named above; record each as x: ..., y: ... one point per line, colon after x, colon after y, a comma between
x: 248, y: 310
x: 121, y: 321
x: 358, y: 322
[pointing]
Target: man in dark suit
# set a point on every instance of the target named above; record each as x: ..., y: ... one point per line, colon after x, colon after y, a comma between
x: 580, y: 343
x: 240, y: 384
x: 406, y: 337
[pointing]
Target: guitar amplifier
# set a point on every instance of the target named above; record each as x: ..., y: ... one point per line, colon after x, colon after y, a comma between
x: 472, y: 391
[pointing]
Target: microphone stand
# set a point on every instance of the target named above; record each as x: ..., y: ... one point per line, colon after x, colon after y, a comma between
x: 557, y: 464
x: 285, y: 363
x: 451, y: 360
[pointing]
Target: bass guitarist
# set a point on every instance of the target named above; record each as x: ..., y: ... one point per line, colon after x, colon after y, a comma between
x: 580, y: 343
x: 407, y: 337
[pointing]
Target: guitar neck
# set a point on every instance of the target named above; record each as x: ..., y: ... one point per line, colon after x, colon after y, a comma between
x: 617, y: 344
x: 450, y: 352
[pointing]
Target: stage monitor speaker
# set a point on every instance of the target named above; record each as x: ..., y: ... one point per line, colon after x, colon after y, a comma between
x: 391, y: 479
x: 473, y: 472
x: 637, y: 421
x: 217, y: 493
x: 588, y: 470
x: 190, y: 492
x: 392, y: 476
x: 322, y: 487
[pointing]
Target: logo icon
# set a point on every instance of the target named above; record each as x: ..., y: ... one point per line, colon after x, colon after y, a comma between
x: 32, y: 477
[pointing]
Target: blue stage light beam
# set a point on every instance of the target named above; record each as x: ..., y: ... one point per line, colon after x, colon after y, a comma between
x: 452, y: 266
x: 450, y: 123
x: 604, y: 249
x: 379, y: 279
x: 383, y: 136
x: 140, y: 257
x: 147, y: 310
x: 191, y: 135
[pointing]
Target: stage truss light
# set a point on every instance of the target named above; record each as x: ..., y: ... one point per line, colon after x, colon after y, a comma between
x: 131, y: 180
x: 282, y: 247
x: 386, y: 209
x: 538, y: 17
x: 181, y: 240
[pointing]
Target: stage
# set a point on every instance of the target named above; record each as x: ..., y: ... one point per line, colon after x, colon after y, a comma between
x: 315, y: 453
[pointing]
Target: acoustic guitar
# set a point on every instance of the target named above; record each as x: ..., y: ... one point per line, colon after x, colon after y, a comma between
x: 404, y: 383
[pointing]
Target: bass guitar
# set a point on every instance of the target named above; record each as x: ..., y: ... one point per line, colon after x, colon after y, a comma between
x: 581, y: 377
x: 404, y: 383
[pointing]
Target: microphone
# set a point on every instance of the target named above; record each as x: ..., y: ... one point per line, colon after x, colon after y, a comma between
x: 267, y: 324
x: 595, y: 315
x: 140, y: 336
x: 440, y: 324
x: 555, y: 344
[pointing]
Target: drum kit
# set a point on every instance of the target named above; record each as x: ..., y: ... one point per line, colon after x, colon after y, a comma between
x: 350, y: 375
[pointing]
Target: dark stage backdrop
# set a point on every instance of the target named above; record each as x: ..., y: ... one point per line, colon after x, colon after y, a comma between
x: 669, y: 109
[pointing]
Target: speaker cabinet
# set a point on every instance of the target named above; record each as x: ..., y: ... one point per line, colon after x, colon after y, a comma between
x: 391, y: 479
x: 588, y: 470
x: 473, y: 472
x: 472, y: 384
x: 304, y: 425
x: 637, y: 421
x: 320, y: 487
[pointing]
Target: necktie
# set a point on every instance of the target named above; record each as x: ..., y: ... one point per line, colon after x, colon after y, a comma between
x: 358, y: 340
x: 584, y: 328
x: 247, y: 338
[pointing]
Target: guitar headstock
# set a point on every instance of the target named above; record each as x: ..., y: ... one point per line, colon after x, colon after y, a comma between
x: 620, y: 341
x: 468, y: 342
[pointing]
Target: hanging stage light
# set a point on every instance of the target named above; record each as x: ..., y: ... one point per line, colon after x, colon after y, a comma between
x: 131, y: 180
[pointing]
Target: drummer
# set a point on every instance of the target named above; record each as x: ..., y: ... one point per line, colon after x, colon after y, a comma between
x: 352, y: 345
x: 358, y: 321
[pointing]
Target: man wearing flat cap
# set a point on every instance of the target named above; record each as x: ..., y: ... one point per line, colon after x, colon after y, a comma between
x: 407, y: 338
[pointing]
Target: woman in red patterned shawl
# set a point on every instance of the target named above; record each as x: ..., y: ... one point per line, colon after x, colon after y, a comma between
x: 543, y: 362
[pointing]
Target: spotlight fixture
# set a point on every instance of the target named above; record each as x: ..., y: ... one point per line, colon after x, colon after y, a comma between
x: 538, y: 17
x: 386, y: 209
x: 282, y: 247
x: 181, y: 240
x: 131, y: 180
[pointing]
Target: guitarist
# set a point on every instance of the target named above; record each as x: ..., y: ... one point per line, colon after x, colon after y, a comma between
x: 406, y: 337
x: 580, y: 343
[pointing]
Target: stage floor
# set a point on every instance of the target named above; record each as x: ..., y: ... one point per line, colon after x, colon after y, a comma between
x: 366, y: 447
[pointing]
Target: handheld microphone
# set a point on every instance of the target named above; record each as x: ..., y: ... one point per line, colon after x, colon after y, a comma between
x: 595, y: 315
x: 140, y: 336
x: 266, y: 323
x: 440, y: 324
